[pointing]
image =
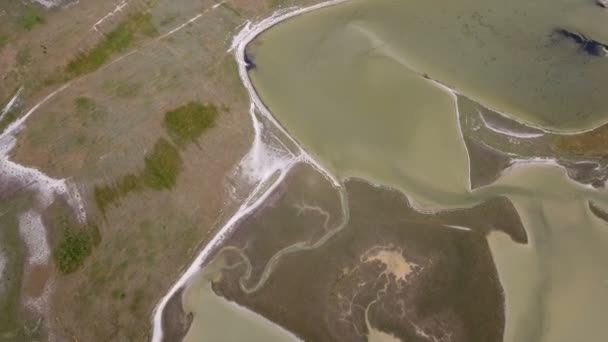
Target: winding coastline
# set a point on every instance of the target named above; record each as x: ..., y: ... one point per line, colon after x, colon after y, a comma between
x: 240, y: 41
x: 249, y: 32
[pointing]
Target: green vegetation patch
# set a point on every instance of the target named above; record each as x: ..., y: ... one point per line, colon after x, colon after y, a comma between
x: 164, y: 163
x: 162, y: 166
x: 106, y: 195
x: 75, y: 246
x: 116, y: 41
x: 186, y: 123
x: 83, y: 103
x: 30, y: 18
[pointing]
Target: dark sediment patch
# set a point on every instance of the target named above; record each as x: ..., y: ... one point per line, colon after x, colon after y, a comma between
x: 586, y: 172
x: 589, y: 46
x: 175, y: 321
x: 448, y: 283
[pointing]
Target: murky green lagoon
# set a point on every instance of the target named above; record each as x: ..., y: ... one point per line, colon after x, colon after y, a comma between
x: 360, y: 86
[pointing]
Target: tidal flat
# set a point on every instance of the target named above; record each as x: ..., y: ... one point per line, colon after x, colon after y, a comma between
x: 466, y: 139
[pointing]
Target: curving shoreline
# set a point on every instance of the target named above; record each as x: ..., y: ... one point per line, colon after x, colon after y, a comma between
x: 248, y: 33
x: 240, y: 41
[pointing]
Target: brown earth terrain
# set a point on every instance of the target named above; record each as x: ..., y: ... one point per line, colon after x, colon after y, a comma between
x: 418, y: 277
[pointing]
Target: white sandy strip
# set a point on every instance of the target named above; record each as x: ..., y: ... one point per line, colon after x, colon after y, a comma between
x: 452, y: 226
x: 119, y: 7
x: 507, y: 132
x: 34, y: 236
x: 218, y: 4
x: 11, y: 103
x: 260, y: 163
x: 455, y: 99
x: 247, y: 34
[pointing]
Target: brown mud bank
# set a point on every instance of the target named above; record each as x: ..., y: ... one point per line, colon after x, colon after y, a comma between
x: 385, y: 268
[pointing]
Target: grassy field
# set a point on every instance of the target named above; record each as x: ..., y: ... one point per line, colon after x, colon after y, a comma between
x: 161, y: 168
x: 185, y: 124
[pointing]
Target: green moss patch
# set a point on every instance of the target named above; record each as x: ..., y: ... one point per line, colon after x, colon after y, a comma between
x: 30, y: 18
x: 164, y: 163
x: 186, y: 123
x: 75, y: 246
x: 116, y: 41
x: 162, y: 166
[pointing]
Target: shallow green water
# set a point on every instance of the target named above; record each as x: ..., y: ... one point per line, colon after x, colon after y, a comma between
x: 502, y: 53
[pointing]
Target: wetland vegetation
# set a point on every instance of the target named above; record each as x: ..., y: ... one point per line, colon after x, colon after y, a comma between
x: 186, y: 123
x: 161, y: 168
x: 75, y: 246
